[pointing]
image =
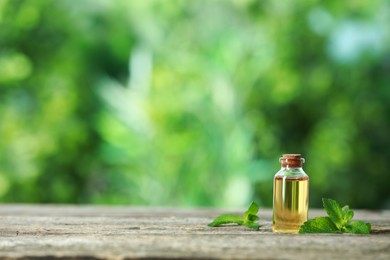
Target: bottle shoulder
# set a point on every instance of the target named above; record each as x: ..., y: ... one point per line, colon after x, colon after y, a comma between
x: 293, y: 173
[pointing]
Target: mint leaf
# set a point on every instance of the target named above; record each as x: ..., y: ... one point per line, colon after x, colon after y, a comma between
x: 253, y: 226
x: 358, y: 227
x: 249, y: 218
x: 227, y: 219
x: 252, y: 218
x: 338, y: 221
x: 319, y: 225
x: 252, y: 210
x: 347, y: 214
x: 250, y: 221
x: 334, y: 212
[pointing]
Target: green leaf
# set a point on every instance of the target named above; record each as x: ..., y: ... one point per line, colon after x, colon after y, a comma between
x: 252, y: 210
x: 338, y: 221
x: 347, y: 214
x: 358, y: 227
x: 252, y: 218
x: 248, y: 219
x: 334, y: 212
x: 319, y: 225
x: 226, y: 219
x: 252, y: 225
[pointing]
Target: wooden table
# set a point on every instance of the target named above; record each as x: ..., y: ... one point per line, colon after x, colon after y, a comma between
x: 106, y: 232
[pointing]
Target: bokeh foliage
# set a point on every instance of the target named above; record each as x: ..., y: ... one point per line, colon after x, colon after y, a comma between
x: 192, y: 102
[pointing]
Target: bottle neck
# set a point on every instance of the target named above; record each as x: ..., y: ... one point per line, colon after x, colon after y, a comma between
x: 291, y: 172
x: 291, y: 167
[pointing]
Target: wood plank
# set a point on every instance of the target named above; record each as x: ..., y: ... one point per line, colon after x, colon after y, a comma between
x: 108, y: 232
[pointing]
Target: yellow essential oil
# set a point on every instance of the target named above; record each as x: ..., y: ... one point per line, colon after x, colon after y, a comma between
x: 291, y: 195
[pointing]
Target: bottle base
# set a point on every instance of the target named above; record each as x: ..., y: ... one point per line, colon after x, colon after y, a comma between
x: 285, y: 230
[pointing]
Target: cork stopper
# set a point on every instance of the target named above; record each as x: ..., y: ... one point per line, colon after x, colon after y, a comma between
x: 291, y: 160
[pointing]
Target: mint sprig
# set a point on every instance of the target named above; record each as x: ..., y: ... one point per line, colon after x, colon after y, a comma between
x: 337, y: 221
x: 249, y: 218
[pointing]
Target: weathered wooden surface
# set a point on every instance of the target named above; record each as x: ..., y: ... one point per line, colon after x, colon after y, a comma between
x: 148, y: 233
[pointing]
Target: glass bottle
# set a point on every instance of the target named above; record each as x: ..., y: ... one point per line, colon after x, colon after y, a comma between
x: 291, y: 195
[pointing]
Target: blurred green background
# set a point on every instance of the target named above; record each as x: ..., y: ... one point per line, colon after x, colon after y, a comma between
x: 191, y: 103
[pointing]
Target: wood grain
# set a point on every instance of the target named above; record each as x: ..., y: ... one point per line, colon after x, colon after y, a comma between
x: 106, y: 232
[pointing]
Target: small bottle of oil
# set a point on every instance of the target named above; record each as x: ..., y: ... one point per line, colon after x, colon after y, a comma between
x: 291, y: 195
